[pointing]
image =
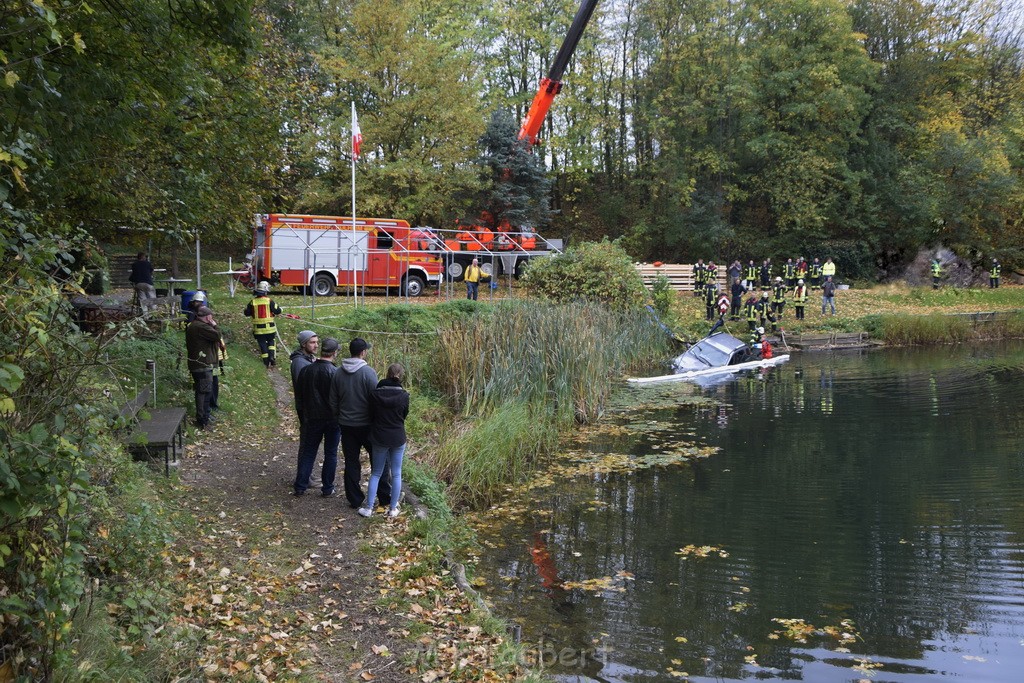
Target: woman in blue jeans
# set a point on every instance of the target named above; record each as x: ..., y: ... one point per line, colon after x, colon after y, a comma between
x: 389, y: 406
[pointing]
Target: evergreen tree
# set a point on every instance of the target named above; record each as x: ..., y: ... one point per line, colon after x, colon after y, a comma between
x: 518, y: 187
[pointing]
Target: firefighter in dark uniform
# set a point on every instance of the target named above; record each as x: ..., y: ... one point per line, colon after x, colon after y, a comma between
x: 815, y: 273
x: 262, y: 310
x: 789, y: 272
x: 778, y: 298
x: 800, y: 299
x: 698, y: 278
x: 993, y: 274
x: 936, y: 273
x: 710, y: 299
x: 750, y: 308
x: 750, y: 275
x: 764, y: 309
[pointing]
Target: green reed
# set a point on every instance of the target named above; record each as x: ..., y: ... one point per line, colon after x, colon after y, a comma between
x: 565, y: 356
x: 923, y: 330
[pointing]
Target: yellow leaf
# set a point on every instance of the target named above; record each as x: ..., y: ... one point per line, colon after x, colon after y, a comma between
x: 10, y: 78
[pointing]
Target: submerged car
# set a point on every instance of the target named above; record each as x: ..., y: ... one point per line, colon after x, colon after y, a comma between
x: 717, y: 351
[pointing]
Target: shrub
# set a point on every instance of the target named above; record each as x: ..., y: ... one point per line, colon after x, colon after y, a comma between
x: 593, y: 271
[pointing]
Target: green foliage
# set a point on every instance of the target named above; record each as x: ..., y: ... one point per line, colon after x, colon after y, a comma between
x: 73, y: 508
x: 562, y: 356
x: 422, y: 480
x: 592, y: 271
x: 499, y: 449
x: 663, y: 296
x: 518, y: 189
x: 924, y: 330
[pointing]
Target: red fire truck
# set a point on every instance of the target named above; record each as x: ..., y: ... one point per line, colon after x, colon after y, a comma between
x: 325, y: 252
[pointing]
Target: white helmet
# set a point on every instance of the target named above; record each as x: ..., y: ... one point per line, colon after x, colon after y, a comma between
x: 800, y: 281
x: 263, y: 287
x: 779, y: 279
x: 760, y: 330
x: 199, y: 296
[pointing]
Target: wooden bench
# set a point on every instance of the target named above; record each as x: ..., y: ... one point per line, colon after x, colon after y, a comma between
x: 163, y: 430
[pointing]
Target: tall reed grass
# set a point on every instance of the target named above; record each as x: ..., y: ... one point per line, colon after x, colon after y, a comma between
x: 564, y: 355
x: 495, y: 451
x: 523, y: 373
x: 923, y: 330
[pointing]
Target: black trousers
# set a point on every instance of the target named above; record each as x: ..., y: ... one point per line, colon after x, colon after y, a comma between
x: 202, y: 383
x: 354, y: 439
x: 268, y: 348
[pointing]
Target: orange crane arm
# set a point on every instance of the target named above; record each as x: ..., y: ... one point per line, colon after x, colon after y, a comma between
x: 552, y: 84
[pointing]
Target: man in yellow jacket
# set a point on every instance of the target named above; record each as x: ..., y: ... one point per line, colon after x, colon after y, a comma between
x: 473, y: 276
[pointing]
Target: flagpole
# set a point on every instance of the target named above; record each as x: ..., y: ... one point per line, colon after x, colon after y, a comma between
x: 354, y: 253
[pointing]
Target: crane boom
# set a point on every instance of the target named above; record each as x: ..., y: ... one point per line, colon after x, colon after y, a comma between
x: 552, y: 84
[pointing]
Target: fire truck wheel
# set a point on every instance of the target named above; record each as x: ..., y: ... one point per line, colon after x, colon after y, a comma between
x: 413, y: 285
x: 323, y: 284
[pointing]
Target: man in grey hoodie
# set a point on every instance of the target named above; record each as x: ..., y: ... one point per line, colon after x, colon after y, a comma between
x: 351, y: 387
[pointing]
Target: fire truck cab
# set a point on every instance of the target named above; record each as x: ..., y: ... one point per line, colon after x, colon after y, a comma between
x: 326, y: 252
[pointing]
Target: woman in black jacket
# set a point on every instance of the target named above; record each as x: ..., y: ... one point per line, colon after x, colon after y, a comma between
x: 389, y: 406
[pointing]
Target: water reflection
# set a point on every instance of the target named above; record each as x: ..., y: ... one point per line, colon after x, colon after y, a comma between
x: 872, y: 495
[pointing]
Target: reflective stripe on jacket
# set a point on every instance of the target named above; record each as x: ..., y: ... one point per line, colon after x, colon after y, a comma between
x: 263, y: 309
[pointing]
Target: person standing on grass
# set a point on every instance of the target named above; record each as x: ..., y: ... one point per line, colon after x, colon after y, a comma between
x: 800, y: 299
x: 828, y: 295
x: 737, y: 298
x: 778, y: 298
x: 262, y: 309
x: 750, y: 275
x: 473, y: 277
x: 993, y: 274
x: 828, y: 269
x: 313, y: 401
x: 202, y: 344
x: 815, y: 273
x: 350, y: 404
x: 389, y: 406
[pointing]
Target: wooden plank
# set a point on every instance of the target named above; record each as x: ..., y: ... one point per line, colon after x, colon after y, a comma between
x: 680, y: 275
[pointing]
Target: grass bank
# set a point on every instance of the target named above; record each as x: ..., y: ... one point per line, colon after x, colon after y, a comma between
x: 896, y: 314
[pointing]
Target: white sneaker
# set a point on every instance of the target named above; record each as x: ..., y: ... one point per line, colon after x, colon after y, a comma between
x: 392, y: 513
x: 365, y: 512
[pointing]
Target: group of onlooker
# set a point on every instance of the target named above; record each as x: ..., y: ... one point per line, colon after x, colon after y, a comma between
x: 347, y: 405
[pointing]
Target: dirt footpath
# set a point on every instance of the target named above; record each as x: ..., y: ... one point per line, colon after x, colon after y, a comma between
x: 278, y: 587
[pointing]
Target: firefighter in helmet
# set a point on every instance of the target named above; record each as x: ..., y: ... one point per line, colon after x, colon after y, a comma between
x: 262, y: 310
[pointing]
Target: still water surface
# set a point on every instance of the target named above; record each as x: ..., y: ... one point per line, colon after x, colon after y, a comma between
x: 863, y: 516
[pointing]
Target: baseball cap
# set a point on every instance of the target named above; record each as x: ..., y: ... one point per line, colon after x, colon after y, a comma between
x: 305, y: 336
x: 357, y: 346
x: 329, y: 346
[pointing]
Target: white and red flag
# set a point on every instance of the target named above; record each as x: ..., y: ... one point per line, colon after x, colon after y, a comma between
x: 357, y: 135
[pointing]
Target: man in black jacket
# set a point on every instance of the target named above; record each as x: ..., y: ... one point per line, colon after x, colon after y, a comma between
x: 142, y: 279
x: 202, y: 346
x: 312, y: 398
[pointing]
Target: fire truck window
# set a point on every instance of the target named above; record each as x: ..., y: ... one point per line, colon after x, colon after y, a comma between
x: 384, y: 240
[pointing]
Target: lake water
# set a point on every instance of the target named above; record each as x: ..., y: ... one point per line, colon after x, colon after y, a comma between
x: 838, y: 518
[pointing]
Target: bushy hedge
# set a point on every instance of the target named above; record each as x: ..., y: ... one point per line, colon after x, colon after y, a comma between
x: 593, y: 271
